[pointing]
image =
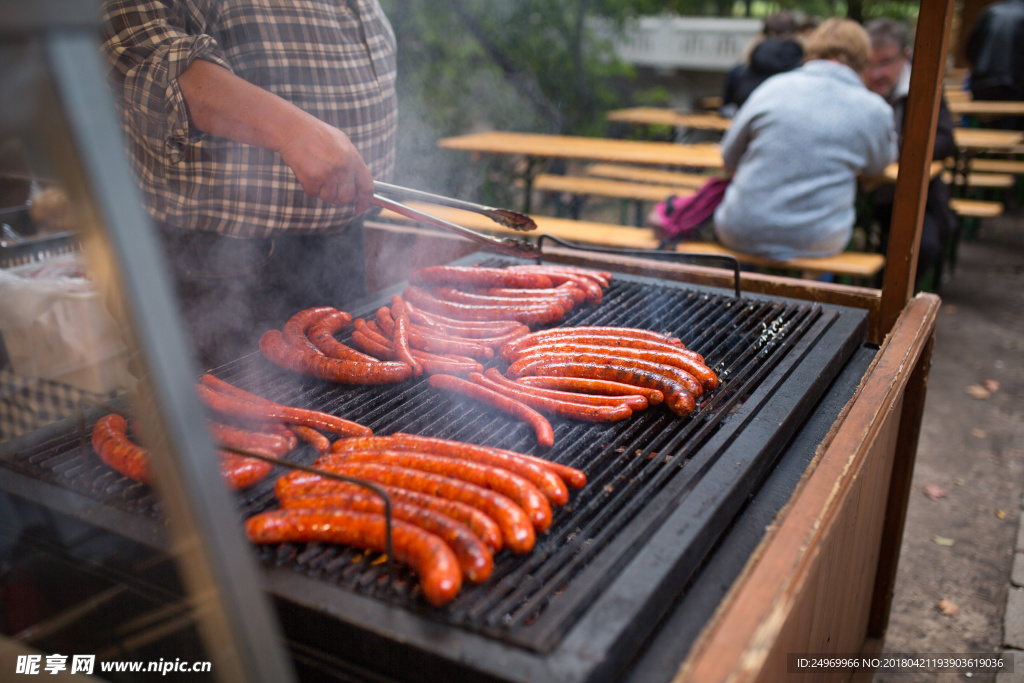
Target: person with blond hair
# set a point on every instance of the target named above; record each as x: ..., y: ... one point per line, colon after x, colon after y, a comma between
x: 796, y: 148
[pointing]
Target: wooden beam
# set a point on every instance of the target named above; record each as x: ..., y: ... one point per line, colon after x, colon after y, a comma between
x: 922, y: 113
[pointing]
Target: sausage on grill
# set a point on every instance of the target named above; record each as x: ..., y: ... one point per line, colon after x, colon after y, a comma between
x: 428, y: 555
x: 571, y: 410
x: 517, y: 530
x: 111, y: 443
x: 677, y: 398
x: 539, y: 424
x: 231, y: 405
x: 476, y: 276
x: 518, y: 489
x: 305, y: 362
x: 541, y: 476
x: 474, y: 557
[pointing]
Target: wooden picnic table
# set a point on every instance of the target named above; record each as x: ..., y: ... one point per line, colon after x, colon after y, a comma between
x: 652, y: 116
x: 538, y: 147
x: 981, y: 139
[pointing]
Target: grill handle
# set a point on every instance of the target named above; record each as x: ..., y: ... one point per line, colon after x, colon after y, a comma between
x: 728, y: 261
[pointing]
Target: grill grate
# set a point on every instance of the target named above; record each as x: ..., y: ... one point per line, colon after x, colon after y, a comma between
x: 639, y: 470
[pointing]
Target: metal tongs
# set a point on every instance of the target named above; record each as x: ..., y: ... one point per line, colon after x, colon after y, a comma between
x: 510, y: 219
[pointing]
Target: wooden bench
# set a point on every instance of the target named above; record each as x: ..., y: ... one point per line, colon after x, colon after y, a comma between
x: 975, y: 208
x: 604, y: 187
x: 636, y: 193
x: 1011, y: 166
x: 850, y: 264
x: 991, y: 181
x: 647, y: 175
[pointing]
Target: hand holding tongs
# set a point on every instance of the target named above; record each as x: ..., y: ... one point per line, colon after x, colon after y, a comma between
x: 510, y: 219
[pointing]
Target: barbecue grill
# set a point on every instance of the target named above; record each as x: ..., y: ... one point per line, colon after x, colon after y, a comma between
x: 756, y: 527
x: 651, y: 475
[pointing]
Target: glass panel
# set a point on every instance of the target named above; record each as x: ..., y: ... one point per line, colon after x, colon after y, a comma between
x: 101, y: 573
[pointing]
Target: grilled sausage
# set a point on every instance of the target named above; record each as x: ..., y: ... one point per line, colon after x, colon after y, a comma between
x: 633, y: 401
x: 537, y: 422
x: 540, y: 336
x: 111, y: 443
x: 543, y: 477
x: 511, y: 351
x: 588, y: 285
x: 432, y: 364
x: 677, y: 374
x: 322, y: 332
x: 476, y: 276
x: 303, y: 361
x: 294, y: 331
x: 474, y: 557
x: 420, y: 338
x: 602, y: 277
x: 463, y: 328
x: 574, y: 411
x: 677, y: 398
x: 518, y: 489
x: 298, y: 484
x: 243, y: 439
x: 565, y: 301
x: 400, y: 337
x: 312, y: 437
x: 528, y: 315
x: 230, y: 405
x: 569, y: 289
x: 591, y: 387
x: 517, y: 531
x: 240, y: 472
x: 428, y: 555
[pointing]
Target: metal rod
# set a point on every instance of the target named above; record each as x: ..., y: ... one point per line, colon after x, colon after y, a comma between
x: 510, y: 219
x: 730, y: 261
x: 507, y: 246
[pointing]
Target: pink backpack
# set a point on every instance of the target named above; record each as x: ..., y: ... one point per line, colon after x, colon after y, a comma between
x: 677, y: 217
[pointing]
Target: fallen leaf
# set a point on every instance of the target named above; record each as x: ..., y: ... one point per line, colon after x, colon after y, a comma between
x: 949, y: 608
x: 943, y: 541
x: 978, y: 433
x: 991, y: 384
x: 1001, y: 514
x: 934, y: 491
x: 979, y: 392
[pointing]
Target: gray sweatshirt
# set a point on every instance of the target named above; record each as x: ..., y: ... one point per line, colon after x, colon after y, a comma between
x: 796, y: 147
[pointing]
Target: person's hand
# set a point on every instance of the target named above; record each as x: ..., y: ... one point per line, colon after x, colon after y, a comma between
x: 328, y: 165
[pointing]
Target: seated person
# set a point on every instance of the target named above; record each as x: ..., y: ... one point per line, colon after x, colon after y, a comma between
x: 796, y: 148
x: 776, y: 51
x: 889, y: 75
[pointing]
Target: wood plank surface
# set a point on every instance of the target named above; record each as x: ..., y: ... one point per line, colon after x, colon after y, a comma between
x: 670, y: 117
x: 649, y: 175
x: 592, y: 149
x: 854, y: 264
x: 606, y: 187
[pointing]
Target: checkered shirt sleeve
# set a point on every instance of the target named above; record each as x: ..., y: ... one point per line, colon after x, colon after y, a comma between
x: 332, y: 58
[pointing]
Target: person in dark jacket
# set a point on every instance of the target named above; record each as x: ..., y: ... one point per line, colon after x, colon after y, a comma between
x: 889, y: 75
x: 775, y: 52
x: 995, y: 51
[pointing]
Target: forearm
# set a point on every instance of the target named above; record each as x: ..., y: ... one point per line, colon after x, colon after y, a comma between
x: 225, y: 105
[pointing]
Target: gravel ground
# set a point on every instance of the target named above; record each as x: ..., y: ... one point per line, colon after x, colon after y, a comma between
x: 958, y: 545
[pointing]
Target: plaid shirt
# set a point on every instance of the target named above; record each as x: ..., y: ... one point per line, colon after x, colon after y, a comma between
x: 335, y: 59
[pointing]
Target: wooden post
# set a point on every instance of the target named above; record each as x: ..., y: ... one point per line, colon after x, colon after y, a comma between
x: 922, y: 113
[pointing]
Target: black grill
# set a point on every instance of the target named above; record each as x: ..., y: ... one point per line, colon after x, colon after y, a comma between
x: 654, y: 471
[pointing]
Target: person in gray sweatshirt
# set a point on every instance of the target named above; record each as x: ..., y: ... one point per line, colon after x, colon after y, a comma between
x: 797, y: 147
